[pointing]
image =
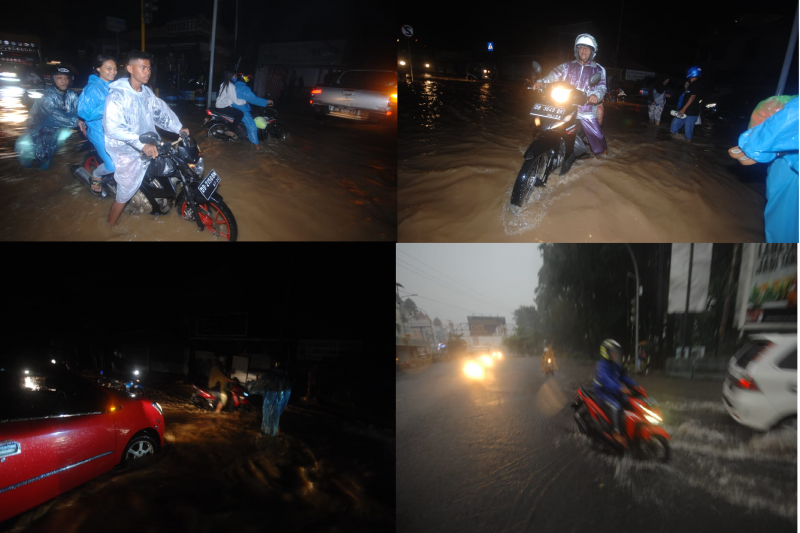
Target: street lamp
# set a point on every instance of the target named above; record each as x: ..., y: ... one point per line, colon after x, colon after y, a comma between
x: 427, y: 65
x: 402, y: 63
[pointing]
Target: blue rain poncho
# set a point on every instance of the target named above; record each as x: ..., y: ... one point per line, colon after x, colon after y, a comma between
x: 243, y: 92
x: 49, y: 124
x: 127, y: 115
x: 91, y: 105
x: 275, y: 388
x: 776, y: 140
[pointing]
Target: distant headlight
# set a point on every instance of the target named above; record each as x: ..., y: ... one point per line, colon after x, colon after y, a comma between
x: 560, y: 94
x: 158, y: 408
x: 711, y: 105
x: 34, y: 95
x: 135, y: 372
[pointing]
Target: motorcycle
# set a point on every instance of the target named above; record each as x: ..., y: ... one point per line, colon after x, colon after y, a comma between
x: 615, y: 95
x: 181, y: 184
x: 238, y: 398
x: 219, y: 124
x: 556, y: 107
x: 132, y: 386
x: 549, y: 367
x: 643, y: 421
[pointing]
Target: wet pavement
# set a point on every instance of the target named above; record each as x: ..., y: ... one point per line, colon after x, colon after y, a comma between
x: 505, y: 455
x: 331, y: 181
x: 219, y: 473
x: 461, y: 147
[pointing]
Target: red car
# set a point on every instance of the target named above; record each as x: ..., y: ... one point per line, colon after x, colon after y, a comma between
x: 59, y: 430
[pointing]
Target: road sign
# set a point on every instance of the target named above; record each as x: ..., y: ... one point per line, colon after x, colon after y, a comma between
x: 491, y: 47
x: 407, y: 30
x: 114, y: 24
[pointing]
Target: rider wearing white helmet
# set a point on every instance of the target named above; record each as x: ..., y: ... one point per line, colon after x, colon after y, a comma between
x: 577, y: 74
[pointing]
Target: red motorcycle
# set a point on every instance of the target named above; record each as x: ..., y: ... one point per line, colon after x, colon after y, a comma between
x: 643, y: 421
x: 238, y: 398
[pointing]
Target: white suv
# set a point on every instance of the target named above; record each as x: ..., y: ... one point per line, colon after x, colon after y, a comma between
x: 760, y: 390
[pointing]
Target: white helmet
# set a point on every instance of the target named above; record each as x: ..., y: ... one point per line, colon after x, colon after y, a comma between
x: 586, y: 40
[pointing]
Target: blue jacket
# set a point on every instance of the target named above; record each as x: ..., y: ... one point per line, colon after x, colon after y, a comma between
x: 91, y: 105
x: 776, y: 141
x: 243, y: 92
x: 608, y: 380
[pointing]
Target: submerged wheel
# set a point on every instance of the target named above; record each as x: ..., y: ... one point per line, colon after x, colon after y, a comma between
x: 216, y: 216
x: 532, y: 174
x: 278, y: 132
x: 656, y: 449
x: 139, y: 447
x: 217, y: 131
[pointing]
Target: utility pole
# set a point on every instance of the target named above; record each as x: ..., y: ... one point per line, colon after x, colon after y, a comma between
x: 788, y: 58
x: 688, y: 292
x: 636, y: 270
x: 616, y: 60
x: 211, y: 66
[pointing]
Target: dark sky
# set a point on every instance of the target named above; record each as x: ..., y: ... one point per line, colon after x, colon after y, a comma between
x: 259, y: 21
x: 667, y: 32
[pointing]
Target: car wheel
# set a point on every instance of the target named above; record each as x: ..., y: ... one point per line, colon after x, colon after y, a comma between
x: 139, y: 448
x: 790, y: 422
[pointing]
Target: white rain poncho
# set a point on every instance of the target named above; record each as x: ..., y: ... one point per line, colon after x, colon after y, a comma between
x: 127, y: 115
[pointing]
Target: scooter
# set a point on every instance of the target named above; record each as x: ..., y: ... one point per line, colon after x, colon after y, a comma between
x: 238, y: 398
x: 219, y: 124
x: 646, y: 437
x: 549, y: 367
x: 181, y: 184
x: 556, y: 112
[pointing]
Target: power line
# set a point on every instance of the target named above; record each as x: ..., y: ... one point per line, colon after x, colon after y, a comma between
x: 487, y: 298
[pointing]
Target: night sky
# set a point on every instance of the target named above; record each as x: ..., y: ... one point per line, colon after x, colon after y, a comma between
x: 667, y: 33
x: 368, y: 23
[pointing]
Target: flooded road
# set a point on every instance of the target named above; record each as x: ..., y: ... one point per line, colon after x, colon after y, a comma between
x: 505, y: 455
x: 461, y: 146
x: 219, y: 473
x: 332, y: 181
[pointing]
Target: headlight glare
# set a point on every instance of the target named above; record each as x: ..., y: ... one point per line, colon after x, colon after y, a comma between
x: 560, y: 94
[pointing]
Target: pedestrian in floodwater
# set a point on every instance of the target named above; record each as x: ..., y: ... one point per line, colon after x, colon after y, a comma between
x: 657, y: 100
x: 275, y: 388
x: 687, y: 114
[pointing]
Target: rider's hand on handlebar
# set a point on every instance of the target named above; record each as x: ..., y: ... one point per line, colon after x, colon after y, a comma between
x: 593, y: 99
x: 185, y: 130
x: 537, y: 85
x: 150, y: 150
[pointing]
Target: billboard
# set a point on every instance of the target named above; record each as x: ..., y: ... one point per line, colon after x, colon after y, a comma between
x: 485, y: 326
x: 767, y: 296
x: 679, y: 277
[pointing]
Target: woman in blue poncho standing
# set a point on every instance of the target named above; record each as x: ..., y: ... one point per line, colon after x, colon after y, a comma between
x: 91, y: 104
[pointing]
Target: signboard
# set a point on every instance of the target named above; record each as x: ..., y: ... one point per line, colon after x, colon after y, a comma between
x: 491, y: 47
x: 633, y: 75
x: 679, y: 276
x: 407, y: 30
x: 114, y: 24
x: 485, y: 326
x: 768, y: 287
x: 314, y: 350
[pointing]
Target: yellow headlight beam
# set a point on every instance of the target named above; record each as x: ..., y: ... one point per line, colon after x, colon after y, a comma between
x: 560, y: 94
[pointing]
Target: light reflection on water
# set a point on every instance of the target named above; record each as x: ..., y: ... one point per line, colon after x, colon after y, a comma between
x: 460, y: 149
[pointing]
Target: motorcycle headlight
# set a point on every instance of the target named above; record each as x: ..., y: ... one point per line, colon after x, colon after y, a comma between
x: 199, y: 167
x: 560, y: 94
x: 158, y: 408
x: 651, y: 416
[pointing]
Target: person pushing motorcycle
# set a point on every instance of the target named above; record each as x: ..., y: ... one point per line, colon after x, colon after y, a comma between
x: 610, y: 386
x: 577, y: 73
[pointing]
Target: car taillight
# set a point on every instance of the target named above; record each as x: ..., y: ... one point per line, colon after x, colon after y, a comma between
x: 208, y: 112
x: 745, y: 384
x: 316, y: 91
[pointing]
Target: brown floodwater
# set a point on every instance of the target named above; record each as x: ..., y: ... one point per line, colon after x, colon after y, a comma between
x: 332, y: 181
x: 461, y: 146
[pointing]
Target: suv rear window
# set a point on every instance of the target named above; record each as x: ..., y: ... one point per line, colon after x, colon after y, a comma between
x: 369, y: 79
x: 749, y: 351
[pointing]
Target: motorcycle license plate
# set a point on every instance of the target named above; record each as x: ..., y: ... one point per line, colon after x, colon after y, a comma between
x: 548, y: 111
x: 209, y: 185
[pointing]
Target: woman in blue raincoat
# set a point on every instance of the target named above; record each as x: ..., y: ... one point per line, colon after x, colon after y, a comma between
x: 243, y: 92
x: 50, y: 121
x: 91, y: 104
x: 775, y: 141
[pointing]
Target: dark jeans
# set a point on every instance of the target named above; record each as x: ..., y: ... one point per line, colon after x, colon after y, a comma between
x: 237, y: 114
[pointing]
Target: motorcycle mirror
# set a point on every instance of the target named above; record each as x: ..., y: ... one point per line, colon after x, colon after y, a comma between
x: 595, y: 79
x: 149, y: 138
x: 536, y: 67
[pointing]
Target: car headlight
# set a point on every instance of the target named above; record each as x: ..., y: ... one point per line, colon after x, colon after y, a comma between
x: 486, y: 360
x: 711, y: 105
x: 560, y: 94
x: 158, y: 408
x: 473, y: 370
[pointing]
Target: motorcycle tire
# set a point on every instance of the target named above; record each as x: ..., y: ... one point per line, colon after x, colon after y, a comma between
x: 534, y: 173
x: 217, y: 131
x: 582, y: 425
x: 90, y: 162
x: 214, y: 215
x: 644, y: 450
x: 277, y: 131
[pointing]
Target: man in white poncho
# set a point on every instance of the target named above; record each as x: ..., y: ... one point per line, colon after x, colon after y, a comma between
x: 131, y: 110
